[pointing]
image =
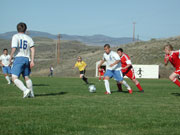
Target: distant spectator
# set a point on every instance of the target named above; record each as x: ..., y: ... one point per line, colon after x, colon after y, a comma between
x: 51, y: 69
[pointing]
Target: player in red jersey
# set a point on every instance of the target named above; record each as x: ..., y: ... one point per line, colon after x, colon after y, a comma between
x: 101, y: 73
x: 174, y: 58
x: 127, y: 69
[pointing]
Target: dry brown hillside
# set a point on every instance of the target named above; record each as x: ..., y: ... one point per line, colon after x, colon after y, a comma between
x: 150, y: 52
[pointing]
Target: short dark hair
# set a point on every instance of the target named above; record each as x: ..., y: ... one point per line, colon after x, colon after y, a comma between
x: 169, y: 46
x: 107, y: 45
x: 21, y: 27
x: 5, y: 49
x: 120, y: 49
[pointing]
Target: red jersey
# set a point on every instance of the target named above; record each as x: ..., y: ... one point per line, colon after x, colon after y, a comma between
x: 174, y: 58
x: 125, y: 60
x: 101, y: 71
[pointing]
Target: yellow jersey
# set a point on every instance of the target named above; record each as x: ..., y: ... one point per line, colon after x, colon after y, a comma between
x: 81, y: 65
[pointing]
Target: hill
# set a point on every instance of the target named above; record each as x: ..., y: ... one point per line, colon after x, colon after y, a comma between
x: 150, y: 52
x: 88, y: 40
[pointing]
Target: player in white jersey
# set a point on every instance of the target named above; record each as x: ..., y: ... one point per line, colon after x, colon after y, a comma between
x: 23, y: 52
x: 113, y: 66
x: 5, y: 64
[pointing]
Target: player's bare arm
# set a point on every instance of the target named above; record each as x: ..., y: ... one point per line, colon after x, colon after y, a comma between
x: 166, y: 60
x: 100, y: 64
x: 116, y: 62
x: 12, y: 54
x: 32, y: 57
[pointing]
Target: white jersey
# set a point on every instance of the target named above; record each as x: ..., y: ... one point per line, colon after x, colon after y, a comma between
x: 22, y: 43
x: 110, y: 59
x: 5, y: 59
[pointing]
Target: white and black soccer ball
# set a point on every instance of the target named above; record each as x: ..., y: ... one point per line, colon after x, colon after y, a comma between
x: 92, y: 88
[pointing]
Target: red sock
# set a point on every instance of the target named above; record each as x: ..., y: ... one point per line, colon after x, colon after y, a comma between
x: 99, y: 78
x: 103, y: 78
x: 119, y: 86
x: 176, y: 82
x: 139, y: 87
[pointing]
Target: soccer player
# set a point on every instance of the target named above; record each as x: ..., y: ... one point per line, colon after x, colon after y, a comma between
x: 127, y: 69
x: 101, y: 73
x: 113, y: 63
x: 174, y: 58
x: 81, y: 65
x: 23, y: 51
x: 5, y: 64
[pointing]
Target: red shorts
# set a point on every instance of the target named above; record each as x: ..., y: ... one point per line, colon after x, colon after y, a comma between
x: 101, y: 74
x: 177, y: 71
x: 130, y: 74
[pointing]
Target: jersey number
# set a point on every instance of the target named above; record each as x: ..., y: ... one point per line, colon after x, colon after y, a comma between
x: 23, y: 44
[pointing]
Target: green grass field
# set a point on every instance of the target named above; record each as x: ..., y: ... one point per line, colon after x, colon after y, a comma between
x: 64, y: 106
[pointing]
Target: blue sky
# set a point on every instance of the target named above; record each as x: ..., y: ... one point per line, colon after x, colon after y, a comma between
x: 154, y: 18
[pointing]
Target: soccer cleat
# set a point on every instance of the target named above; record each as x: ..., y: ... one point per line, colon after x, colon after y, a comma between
x: 130, y: 91
x: 142, y: 91
x: 107, y: 93
x: 26, y: 93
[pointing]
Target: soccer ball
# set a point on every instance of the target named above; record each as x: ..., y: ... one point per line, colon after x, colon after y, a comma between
x: 92, y: 88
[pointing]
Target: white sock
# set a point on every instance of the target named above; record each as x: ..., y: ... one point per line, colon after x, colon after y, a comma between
x: 106, y: 82
x: 125, y: 84
x: 20, y: 85
x: 30, y: 86
x: 7, y: 78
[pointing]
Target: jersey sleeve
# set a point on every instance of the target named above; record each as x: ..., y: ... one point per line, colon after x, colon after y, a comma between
x: 14, y: 42
x: 84, y: 64
x: 103, y: 58
x: 31, y: 44
x: 116, y: 56
x: 76, y: 64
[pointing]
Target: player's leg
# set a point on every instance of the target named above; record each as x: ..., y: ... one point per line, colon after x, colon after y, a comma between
x: 5, y: 72
x: 28, y: 81
x: 16, y: 71
x: 173, y: 78
x: 131, y: 76
x: 82, y: 73
x: 99, y: 76
x: 107, y: 76
x: 29, y: 85
x: 119, y: 77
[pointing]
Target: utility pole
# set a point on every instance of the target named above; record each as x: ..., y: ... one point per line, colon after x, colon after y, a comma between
x: 134, y: 31
x: 58, y: 49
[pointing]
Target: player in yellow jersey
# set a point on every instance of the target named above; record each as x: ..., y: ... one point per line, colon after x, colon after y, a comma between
x: 81, y: 65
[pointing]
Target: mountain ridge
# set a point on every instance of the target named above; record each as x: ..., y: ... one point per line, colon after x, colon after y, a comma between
x: 94, y: 40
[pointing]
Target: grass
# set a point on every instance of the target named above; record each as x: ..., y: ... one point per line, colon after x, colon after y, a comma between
x: 64, y: 106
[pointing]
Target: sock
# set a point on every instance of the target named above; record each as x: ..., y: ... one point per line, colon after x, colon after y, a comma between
x: 139, y: 87
x: 30, y: 86
x: 7, y: 78
x: 125, y: 84
x: 119, y: 86
x: 20, y: 84
x: 176, y: 82
x: 106, y: 82
x: 99, y: 78
x: 85, y: 79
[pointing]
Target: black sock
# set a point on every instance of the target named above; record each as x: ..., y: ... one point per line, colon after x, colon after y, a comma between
x: 85, y: 79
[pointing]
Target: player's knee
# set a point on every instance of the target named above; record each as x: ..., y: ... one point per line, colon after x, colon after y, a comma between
x: 171, y: 78
x: 106, y: 78
x: 14, y: 77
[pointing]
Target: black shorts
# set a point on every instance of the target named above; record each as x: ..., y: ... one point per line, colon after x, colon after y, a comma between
x: 82, y: 72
